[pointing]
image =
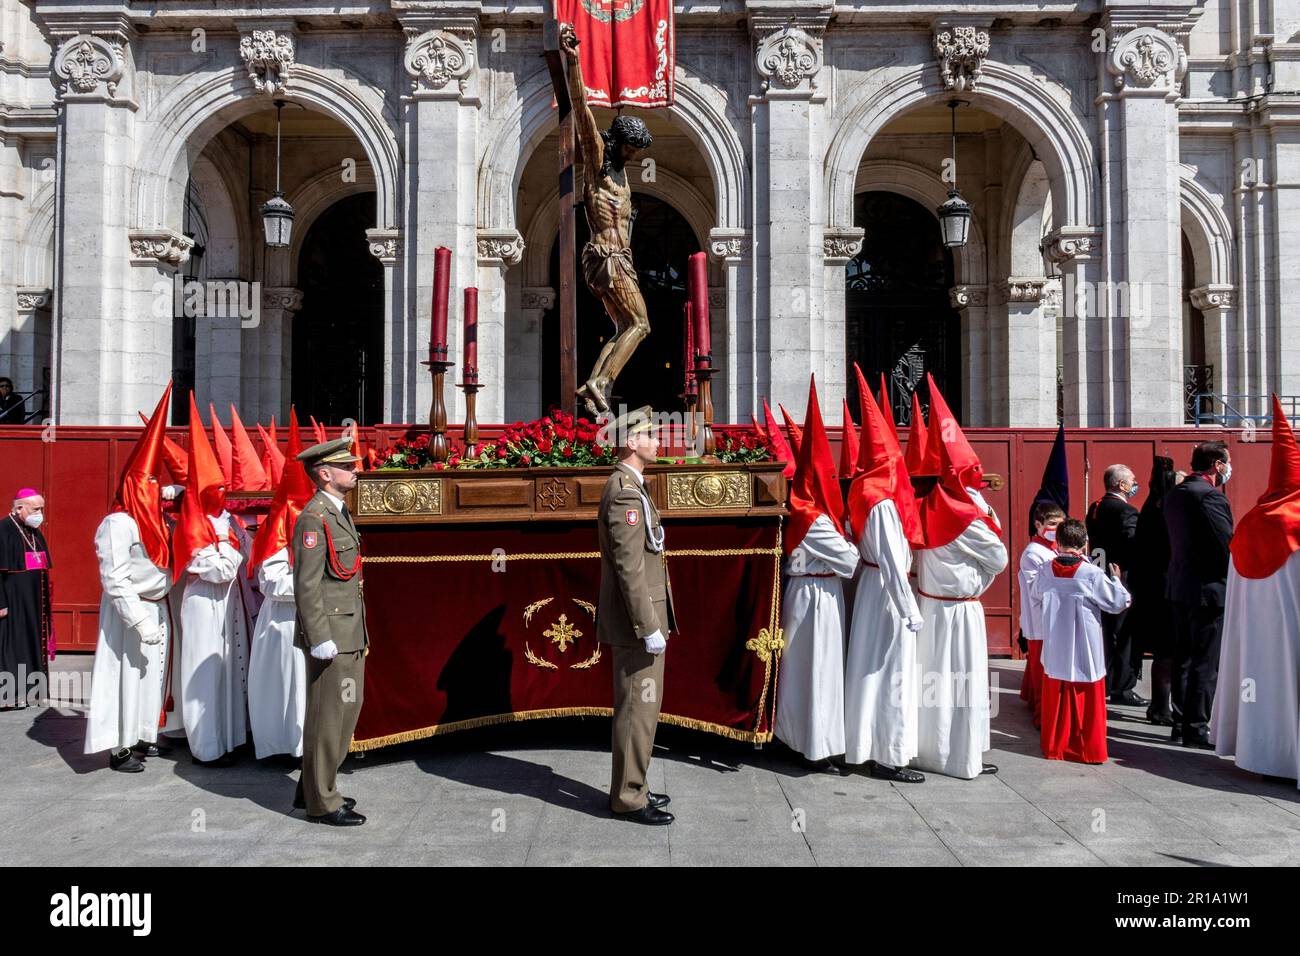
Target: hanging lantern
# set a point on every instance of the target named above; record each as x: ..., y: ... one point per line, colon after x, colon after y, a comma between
x: 955, y: 212
x: 277, y: 214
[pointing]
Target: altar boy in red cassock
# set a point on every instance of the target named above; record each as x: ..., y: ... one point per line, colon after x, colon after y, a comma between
x: 1038, y: 553
x: 1072, y: 594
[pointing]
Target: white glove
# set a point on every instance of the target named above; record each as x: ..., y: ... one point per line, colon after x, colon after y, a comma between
x: 656, y: 643
x: 220, y: 523
x: 914, y: 623
x: 148, y: 632
x: 326, y: 651
x: 172, y: 492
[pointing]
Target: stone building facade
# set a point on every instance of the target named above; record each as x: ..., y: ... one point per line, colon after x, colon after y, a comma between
x: 1133, y: 168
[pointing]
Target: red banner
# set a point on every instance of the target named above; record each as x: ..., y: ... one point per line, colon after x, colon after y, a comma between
x: 626, y: 48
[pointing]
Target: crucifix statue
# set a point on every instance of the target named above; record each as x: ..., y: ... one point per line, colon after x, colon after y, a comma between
x: 607, y: 257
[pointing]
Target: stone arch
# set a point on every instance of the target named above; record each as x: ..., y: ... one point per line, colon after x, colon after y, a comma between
x: 228, y: 246
x: 1039, y: 111
x: 675, y: 190
x: 920, y: 184
x: 1025, y: 218
x: 197, y: 108
x: 1208, y: 231
x: 507, y: 151
x: 310, y: 201
x: 36, y: 254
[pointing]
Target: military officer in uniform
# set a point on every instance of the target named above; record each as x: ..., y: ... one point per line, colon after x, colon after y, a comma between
x: 634, y: 616
x: 331, y: 629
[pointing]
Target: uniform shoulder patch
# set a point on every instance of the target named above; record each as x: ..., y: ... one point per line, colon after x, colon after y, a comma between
x: 632, y: 516
x: 309, y: 539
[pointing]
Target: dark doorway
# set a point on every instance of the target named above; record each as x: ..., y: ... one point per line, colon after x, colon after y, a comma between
x: 898, y: 317
x: 338, y: 335
x: 661, y: 243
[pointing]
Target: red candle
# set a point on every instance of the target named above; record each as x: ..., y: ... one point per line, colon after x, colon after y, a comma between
x: 688, y: 336
x: 471, y: 331
x: 697, y: 290
x: 441, y: 275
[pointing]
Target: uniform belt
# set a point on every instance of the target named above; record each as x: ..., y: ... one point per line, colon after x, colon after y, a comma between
x: 940, y: 597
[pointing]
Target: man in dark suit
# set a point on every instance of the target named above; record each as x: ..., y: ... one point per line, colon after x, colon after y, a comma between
x: 1200, y: 527
x: 1112, y: 528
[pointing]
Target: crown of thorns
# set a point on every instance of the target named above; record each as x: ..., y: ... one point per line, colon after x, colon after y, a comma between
x: 630, y: 130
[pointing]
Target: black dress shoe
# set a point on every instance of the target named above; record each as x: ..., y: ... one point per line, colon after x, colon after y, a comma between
x: 1176, y: 733
x: 655, y: 800
x: 1129, y: 699
x: 300, y: 802
x: 1198, y: 742
x: 826, y: 765
x: 342, y: 817
x: 989, y: 768
x: 225, y: 760
x: 151, y: 750
x: 650, y: 816
x: 1165, y: 719
x: 883, y: 771
x: 125, y: 762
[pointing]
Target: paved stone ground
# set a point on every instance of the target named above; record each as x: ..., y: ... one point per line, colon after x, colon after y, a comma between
x: 544, y: 786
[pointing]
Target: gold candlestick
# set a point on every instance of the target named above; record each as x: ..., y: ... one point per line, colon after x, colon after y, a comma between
x: 438, y: 366
x: 704, y: 375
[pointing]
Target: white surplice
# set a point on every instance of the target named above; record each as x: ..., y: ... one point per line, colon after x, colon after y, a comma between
x: 810, y: 681
x: 952, y: 651
x: 1069, y: 616
x: 214, y: 652
x: 1032, y: 560
x: 881, y: 678
x: 126, y: 691
x: 277, y: 671
x: 1256, y: 713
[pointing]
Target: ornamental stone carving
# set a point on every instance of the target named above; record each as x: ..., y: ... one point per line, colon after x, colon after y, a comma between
x: 968, y: 296
x: 789, y: 56
x: 1215, y: 297
x: 163, y: 247
x: 1025, y: 289
x: 385, y: 244
x: 542, y: 297
x: 729, y: 243
x: 506, y: 245
x: 1066, y: 244
x: 961, y: 50
x: 1146, y: 59
x: 267, y: 55
x: 31, y: 299
x: 282, y: 297
x: 84, y: 62
x: 436, y: 57
x: 844, y: 244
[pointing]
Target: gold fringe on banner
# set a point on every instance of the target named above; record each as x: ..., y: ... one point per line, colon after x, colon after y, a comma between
x: 437, y: 730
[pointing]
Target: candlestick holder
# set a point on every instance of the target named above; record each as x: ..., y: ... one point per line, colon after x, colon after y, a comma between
x: 470, y: 386
x: 704, y: 375
x: 438, y: 366
x: 690, y: 400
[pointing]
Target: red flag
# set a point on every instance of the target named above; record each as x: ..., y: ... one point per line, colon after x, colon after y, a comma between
x: 626, y: 47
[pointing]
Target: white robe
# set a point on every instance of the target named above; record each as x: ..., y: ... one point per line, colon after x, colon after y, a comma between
x: 214, y: 653
x: 810, y: 681
x: 1070, y: 618
x: 952, y: 652
x: 881, y: 678
x: 126, y: 690
x: 1032, y: 560
x: 277, y: 671
x: 1256, y: 713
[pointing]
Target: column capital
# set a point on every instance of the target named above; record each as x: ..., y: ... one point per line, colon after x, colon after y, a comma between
x: 730, y: 244
x: 284, y: 298
x: 1071, y: 243
x: 500, y: 247
x: 440, y: 59
x: 1146, y: 61
x: 1023, y: 288
x: 968, y: 296
x: 1215, y: 297
x: 538, y: 297
x: 86, y: 61
x: 385, y: 244
x: 841, y: 245
x: 788, y: 50
x: 153, y: 247
x: 33, y: 298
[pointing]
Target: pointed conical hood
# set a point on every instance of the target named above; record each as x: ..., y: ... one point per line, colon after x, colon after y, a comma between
x: 205, y: 493
x: 796, y: 433
x: 1269, y: 533
x: 881, y: 474
x: 318, y: 430
x: 944, y: 428
x: 919, y: 462
x: 848, y: 445
x: 139, y: 493
x: 777, y: 440
x: 247, y: 473
x: 225, y: 451
x: 886, y: 408
x: 291, y: 496
x: 272, y: 457
x: 173, y: 455
x: 815, y: 490
x: 948, y: 510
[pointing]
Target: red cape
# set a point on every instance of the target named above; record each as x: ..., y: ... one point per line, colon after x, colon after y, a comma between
x: 1269, y: 533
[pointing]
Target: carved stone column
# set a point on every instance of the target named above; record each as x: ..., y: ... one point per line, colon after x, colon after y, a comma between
x: 1024, y: 369
x: 971, y: 303
x: 734, y: 395
x: 275, y: 359
x: 1217, y: 305
x: 30, y: 340
x: 838, y: 249
x: 524, y: 338
x: 1076, y: 252
x: 497, y: 251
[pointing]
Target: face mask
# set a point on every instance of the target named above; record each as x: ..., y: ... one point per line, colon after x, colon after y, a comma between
x: 1227, y: 473
x: 1050, y: 534
x: 1132, y: 492
x: 34, y: 520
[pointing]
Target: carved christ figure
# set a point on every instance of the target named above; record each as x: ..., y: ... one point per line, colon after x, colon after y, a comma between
x: 607, y: 257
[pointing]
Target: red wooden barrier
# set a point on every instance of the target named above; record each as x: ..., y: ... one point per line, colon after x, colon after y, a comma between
x: 76, y: 469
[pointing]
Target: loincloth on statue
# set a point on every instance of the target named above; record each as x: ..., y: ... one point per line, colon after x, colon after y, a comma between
x: 603, y: 265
